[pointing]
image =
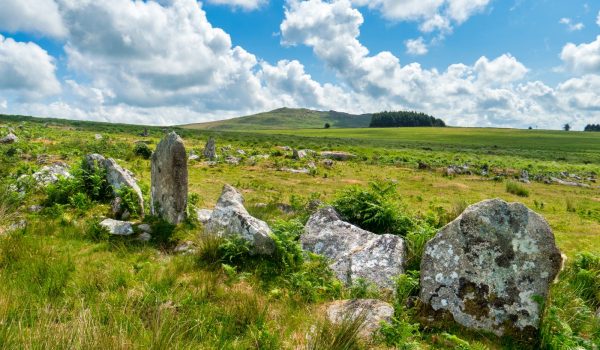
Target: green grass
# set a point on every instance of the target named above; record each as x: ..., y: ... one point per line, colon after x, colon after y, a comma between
x: 288, y: 118
x: 65, y: 284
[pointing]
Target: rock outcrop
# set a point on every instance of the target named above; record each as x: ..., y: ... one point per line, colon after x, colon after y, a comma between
x: 487, y: 268
x: 10, y: 138
x: 50, y: 174
x: 337, y: 155
x: 354, y: 252
x: 230, y: 217
x: 203, y: 215
x: 169, y: 179
x: 373, y: 312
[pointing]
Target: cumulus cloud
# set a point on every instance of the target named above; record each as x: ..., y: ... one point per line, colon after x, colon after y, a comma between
x: 416, y: 46
x: 571, y: 26
x: 431, y: 14
x: 583, y: 58
x: 244, y: 4
x: 26, y: 70
x: 39, y: 16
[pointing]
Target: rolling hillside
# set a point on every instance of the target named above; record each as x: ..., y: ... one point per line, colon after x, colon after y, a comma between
x: 288, y: 118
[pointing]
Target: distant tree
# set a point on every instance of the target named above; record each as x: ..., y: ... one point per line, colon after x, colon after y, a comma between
x: 530, y: 128
x: 327, y: 125
x: 592, y: 127
x: 404, y: 119
x: 567, y: 127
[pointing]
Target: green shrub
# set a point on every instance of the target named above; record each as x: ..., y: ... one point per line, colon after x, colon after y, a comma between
x: 374, y: 209
x: 516, y: 189
x: 141, y: 149
x: 129, y: 200
x: 415, y: 242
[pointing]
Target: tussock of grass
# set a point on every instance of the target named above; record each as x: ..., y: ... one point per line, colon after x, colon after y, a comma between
x: 516, y: 189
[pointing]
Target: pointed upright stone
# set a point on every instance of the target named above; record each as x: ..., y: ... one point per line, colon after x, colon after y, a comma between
x: 210, y: 150
x: 169, y: 177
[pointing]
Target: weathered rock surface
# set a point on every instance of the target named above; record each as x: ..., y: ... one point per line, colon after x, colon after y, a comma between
x: 10, y: 138
x: 337, y: 155
x: 119, y: 178
x: 186, y: 247
x: 50, y: 174
x: 232, y: 160
x: 487, y: 266
x: 373, y: 311
x: 524, y: 177
x: 169, y: 179
x: 117, y: 227
x: 230, y: 217
x: 98, y: 137
x: 210, y: 150
x: 568, y: 183
x: 354, y: 252
x: 203, y: 215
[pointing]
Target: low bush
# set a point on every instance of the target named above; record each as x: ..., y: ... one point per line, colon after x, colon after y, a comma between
x: 516, y: 189
x: 141, y: 149
x: 374, y: 208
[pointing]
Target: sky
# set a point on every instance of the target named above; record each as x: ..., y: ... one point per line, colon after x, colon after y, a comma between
x: 500, y: 63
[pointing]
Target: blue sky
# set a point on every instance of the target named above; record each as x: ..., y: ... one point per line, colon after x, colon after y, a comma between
x: 510, y: 63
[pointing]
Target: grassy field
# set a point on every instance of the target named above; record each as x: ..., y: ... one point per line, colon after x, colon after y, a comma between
x: 65, y: 285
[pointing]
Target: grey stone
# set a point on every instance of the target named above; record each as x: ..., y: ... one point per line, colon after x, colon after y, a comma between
x: 337, y: 155
x: 354, y: 253
x: 144, y: 228
x: 35, y: 208
x: 210, y: 150
x: 328, y: 163
x: 241, y: 152
x: 524, y: 176
x: 169, y: 179
x: 230, y: 217
x: 296, y: 171
x: 203, y: 215
x: 299, y: 154
x: 10, y: 138
x: 232, y: 160
x: 486, y: 268
x: 118, y: 178
x: 186, y: 247
x: 117, y: 227
x: 98, y: 137
x: 194, y: 157
x: 568, y: 183
x: 373, y: 311
x: 50, y: 174
x: 144, y: 237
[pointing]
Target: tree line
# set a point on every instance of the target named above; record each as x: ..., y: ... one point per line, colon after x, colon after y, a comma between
x: 592, y: 127
x: 404, y: 119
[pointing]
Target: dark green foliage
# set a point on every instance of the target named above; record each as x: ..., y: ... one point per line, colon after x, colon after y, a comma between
x: 129, y: 200
x: 566, y: 127
x: 516, y: 189
x: 404, y: 119
x: 374, y: 208
x: 327, y: 125
x: 415, y: 241
x: 592, y: 127
x: 141, y: 149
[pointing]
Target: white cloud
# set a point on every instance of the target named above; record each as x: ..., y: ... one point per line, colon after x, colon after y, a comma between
x: 26, y: 70
x: 572, y: 27
x: 504, y: 69
x: 583, y: 58
x: 598, y: 19
x: 244, y: 4
x: 37, y: 16
x: 416, y: 46
x: 431, y: 14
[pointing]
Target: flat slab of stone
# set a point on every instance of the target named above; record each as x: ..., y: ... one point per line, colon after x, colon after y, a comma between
x: 337, y: 155
x: 230, y: 218
x: 373, y: 311
x: 117, y: 227
x: 487, y: 268
x: 354, y: 253
x: 169, y: 179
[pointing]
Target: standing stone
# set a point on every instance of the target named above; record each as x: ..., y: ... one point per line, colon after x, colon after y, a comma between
x: 354, y: 253
x: 169, y: 178
x: 210, y: 150
x: 489, y: 268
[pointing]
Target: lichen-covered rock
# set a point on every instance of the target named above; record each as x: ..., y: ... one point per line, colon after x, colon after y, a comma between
x: 117, y: 227
x: 337, y: 155
x: 50, y: 174
x: 203, y: 215
x: 210, y: 150
x: 230, y: 217
x: 169, y: 178
x: 487, y: 268
x: 118, y: 178
x: 354, y: 252
x: 373, y: 311
x: 10, y: 138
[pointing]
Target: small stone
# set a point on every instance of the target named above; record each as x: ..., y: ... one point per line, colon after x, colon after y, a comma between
x: 50, y: 174
x: 98, y: 137
x: 337, y: 155
x: 374, y: 312
x: 232, y: 160
x: 296, y: 171
x: 186, y: 247
x: 194, y: 157
x: 10, y: 138
x: 117, y: 227
x: 524, y: 176
x: 241, y: 152
x: 328, y: 163
x: 144, y: 228
x: 144, y: 237
x: 35, y: 208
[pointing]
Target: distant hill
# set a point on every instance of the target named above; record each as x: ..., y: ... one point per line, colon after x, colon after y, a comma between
x: 288, y: 118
